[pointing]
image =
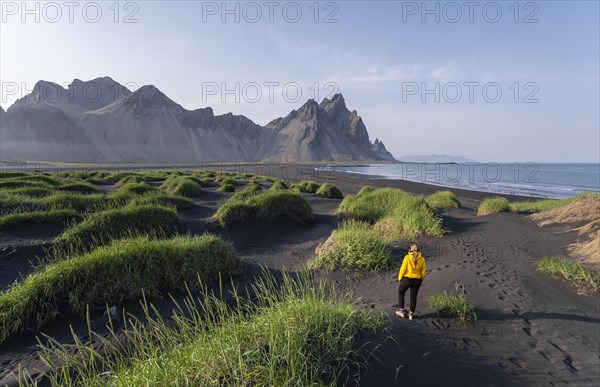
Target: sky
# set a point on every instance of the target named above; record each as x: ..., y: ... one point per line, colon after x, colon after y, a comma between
x: 501, y: 81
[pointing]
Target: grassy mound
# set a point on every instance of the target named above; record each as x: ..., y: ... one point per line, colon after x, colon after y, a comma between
x: 18, y: 219
x: 188, y: 188
x: 310, y: 186
x: 493, y: 205
x: 356, y: 246
x: 264, y: 206
x: 454, y: 304
x: 36, y: 178
x: 226, y: 188
x: 19, y: 182
x: 102, y: 227
x: 79, y: 187
x: 34, y: 192
x: 132, y: 179
x: 586, y: 280
x: 395, y: 213
x: 9, y: 202
x: 279, y: 186
x: 367, y: 189
x: 163, y: 200
x: 110, y: 274
x: 137, y: 188
x: 293, y: 334
x: 78, y: 202
x: 443, y: 199
x: 329, y: 190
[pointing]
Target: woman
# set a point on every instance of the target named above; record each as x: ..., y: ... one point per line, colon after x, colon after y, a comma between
x: 412, y: 274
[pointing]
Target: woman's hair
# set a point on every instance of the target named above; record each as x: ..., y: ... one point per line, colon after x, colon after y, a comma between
x: 415, y: 244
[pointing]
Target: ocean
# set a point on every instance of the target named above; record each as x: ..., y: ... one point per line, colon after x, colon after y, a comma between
x: 543, y: 180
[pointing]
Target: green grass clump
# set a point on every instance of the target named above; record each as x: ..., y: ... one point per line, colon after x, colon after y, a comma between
x: 296, y: 187
x: 102, y: 227
x: 367, y: 189
x: 310, y: 186
x: 454, y: 304
x: 18, y: 182
x: 584, y: 279
x: 39, y: 178
x: 132, y: 179
x: 17, y: 219
x: 355, y: 246
x: 34, y: 192
x: 294, y: 333
x: 226, y: 188
x: 443, y: 199
x: 137, y: 188
x: 493, y: 205
x: 395, y: 213
x: 278, y: 186
x: 372, y: 206
x: 164, y: 200
x: 78, y: 202
x: 79, y: 187
x: 125, y: 269
x: 329, y: 190
x: 188, y: 188
x: 10, y: 202
x: 549, y: 204
x: 411, y: 217
x: 224, y: 180
x: 264, y: 206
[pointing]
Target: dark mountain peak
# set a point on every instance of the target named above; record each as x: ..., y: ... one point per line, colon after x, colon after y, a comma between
x: 150, y: 96
x: 337, y: 102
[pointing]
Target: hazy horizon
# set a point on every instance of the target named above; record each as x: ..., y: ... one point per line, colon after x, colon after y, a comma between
x: 390, y: 60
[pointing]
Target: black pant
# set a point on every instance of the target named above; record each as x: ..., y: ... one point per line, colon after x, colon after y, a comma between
x: 414, y: 284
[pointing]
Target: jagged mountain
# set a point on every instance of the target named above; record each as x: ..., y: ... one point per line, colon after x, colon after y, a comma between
x: 79, y: 96
x: 43, y: 132
x: 147, y: 126
x: 325, y: 131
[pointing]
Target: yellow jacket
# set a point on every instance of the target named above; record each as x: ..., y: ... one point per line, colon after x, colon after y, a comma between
x: 410, y: 270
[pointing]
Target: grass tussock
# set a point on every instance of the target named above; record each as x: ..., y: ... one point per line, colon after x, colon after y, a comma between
x: 584, y: 279
x: 20, y: 182
x: 32, y: 192
x: 493, y: 205
x: 329, y: 190
x: 137, y: 188
x: 394, y: 213
x: 226, y: 188
x: 79, y: 187
x: 111, y: 274
x: 164, y: 200
x: 442, y: 199
x: 279, y: 186
x: 264, y: 206
x: 354, y: 246
x: 453, y: 304
x: 18, y: 219
x: 102, y: 227
x: 188, y: 188
x: 78, y: 202
x: 294, y: 333
x: 310, y: 186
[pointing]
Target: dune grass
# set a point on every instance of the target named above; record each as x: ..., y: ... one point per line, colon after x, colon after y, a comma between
x: 442, y: 199
x: 102, y: 227
x: 294, y: 333
x: 78, y: 202
x: 137, y: 188
x: 33, y: 192
x: 164, y: 200
x: 310, y: 186
x: 493, y: 205
x: 37, y: 178
x: 584, y: 279
x: 367, y: 189
x: 264, y: 206
x: 188, y: 188
x: 371, y: 206
x: 329, y: 190
x: 18, y: 219
x: 226, y: 188
x: 454, y: 304
x: 111, y: 274
x: 279, y: 186
x: 79, y: 187
x: 355, y: 246
x: 8, y: 175
x: 549, y: 204
x: 20, y: 182
x: 132, y: 179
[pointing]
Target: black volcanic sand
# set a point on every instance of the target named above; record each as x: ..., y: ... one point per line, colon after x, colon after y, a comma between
x: 532, y: 330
